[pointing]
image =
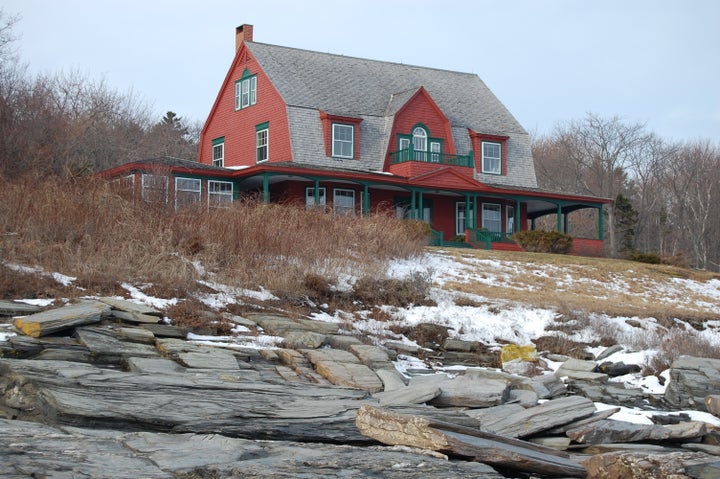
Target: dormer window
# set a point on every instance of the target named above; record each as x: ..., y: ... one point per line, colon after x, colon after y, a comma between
x: 421, y: 143
x: 246, y: 91
x: 342, y: 140
x: 492, y: 157
x: 490, y: 153
x: 342, y: 136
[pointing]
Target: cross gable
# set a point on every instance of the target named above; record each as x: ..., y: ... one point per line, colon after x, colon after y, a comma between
x: 447, y: 178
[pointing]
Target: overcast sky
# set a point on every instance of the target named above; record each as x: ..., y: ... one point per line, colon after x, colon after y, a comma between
x: 549, y: 61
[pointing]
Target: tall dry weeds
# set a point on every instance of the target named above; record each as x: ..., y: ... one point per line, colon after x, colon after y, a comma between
x: 86, y: 229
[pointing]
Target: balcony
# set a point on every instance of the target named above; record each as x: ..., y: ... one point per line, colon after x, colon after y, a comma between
x: 409, y: 154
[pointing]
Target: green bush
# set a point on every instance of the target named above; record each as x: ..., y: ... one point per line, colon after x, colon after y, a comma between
x: 640, y: 257
x: 541, y: 241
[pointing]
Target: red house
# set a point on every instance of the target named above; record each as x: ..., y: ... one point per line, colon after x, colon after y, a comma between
x: 358, y: 136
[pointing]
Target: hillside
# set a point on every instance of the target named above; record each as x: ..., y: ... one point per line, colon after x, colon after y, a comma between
x: 234, y: 371
x: 563, y: 304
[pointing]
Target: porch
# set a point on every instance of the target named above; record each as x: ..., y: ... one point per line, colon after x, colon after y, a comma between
x: 454, y: 204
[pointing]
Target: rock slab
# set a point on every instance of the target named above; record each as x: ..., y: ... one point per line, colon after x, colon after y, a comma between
x: 54, y: 320
x: 691, y: 380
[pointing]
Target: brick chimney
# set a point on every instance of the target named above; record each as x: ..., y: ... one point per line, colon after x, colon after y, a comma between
x: 243, y: 33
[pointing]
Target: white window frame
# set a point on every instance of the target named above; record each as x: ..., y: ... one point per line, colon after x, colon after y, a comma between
x: 218, y: 160
x: 310, y: 198
x: 338, y: 144
x: 460, y: 224
x: 420, y: 141
x: 435, y: 152
x: 151, y: 185
x: 219, y: 196
x: 245, y: 92
x: 340, y: 209
x: 190, y: 188
x: 491, y: 164
x: 495, y: 209
x: 264, y: 137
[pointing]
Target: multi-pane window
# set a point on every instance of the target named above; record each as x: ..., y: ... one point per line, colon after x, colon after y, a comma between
x: 220, y: 193
x: 404, y: 147
x: 261, y: 143
x: 218, y: 152
x: 419, y: 143
x: 342, y: 140
x: 245, y: 92
x: 344, y: 202
x: 491, y: 157
x: 154, y: 188
x: 310, y: 200
x: 187, y: 191
x: 491, y: 217
x: 435, y: 151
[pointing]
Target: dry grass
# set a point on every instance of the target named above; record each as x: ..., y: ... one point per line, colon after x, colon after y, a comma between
x: 600, y: 285
x: 86, y: 229
x: 678, y: 342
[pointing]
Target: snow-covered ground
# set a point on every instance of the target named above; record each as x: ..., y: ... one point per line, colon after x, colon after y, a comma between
x: 487, y: 320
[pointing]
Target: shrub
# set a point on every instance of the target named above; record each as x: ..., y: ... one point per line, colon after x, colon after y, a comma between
x: 679, y: 342
x: 561, y: 344
x: 195, y: 316
x: 541, y: 241
x: 391, y: 291
x: 87, y: 228
x: 640, y: 257
x: 680, y: 260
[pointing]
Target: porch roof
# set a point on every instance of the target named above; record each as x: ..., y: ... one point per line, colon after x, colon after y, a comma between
x: 254, y: 176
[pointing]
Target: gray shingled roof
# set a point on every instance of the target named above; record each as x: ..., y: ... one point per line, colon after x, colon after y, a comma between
x: 359, y: 87
x: 374, y: 91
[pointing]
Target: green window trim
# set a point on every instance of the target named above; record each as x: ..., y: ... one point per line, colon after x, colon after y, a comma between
x: 262, y: 142
x: 433, y: 146
x: 245, y: 91
x: 218, y: 152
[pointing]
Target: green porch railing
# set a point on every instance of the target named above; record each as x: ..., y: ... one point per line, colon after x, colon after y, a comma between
x: 485, y: 238
x: 409, y: 154
x: 436, y: 238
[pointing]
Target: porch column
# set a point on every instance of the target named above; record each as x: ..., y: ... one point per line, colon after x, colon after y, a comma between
x: 413, y: 211
x: 476, y: 215
x: 468, y: 220
x: 532, y: 224
x: 316, y: 193
x: 566, y: 222
x: 516, y: 219
x: 601, y: 223
x: 421, y: 211
x: 559, y: 218
x: 266, y: 188
x: 366, y: 200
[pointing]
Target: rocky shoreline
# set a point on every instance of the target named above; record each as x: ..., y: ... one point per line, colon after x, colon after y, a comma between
x: 102, y: 388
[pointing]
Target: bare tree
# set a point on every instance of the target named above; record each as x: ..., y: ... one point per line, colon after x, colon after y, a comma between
x: 645, y: 189
x: 692, y: 182
x: 600, y: 152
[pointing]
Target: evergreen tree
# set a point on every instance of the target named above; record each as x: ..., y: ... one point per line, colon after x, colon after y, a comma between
x: 626, y: 218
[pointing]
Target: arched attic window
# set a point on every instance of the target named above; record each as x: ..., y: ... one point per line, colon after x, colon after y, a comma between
x: 419, y: 142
